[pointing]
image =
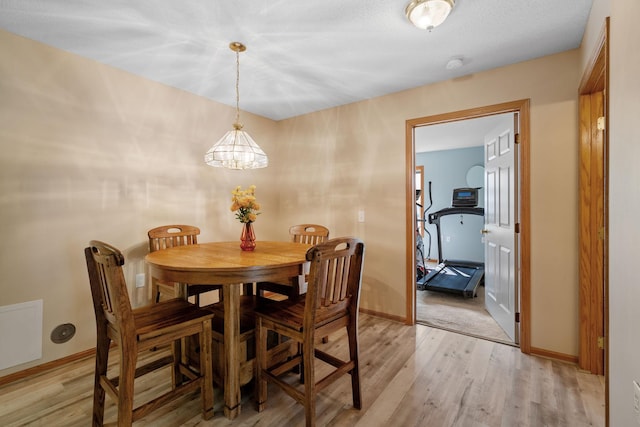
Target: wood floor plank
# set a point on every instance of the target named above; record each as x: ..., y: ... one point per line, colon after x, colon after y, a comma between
x: 396, y: 392
x: 411, y: 376
x: 591, y: 392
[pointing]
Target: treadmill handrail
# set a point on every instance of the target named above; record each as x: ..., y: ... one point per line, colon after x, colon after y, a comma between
x: 435, y: 216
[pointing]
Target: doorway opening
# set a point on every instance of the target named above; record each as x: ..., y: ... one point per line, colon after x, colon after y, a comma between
x: 519, y: 252
x: 450, y: 159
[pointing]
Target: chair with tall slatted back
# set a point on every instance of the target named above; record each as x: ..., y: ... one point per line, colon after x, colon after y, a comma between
x: 168, y: 236
x: 310, y: 234
x: 138, y: 330
x: 331, y: 303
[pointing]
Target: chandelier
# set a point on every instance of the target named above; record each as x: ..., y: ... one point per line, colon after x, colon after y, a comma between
x: 236, y: 149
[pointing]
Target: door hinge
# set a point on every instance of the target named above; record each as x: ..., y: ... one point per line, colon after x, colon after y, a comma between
x: 601, y: 343
x: 517, y: 317
x: 600, y: 123
x: 517, y: 138
x: 517, y: 227
x: 601, y: 233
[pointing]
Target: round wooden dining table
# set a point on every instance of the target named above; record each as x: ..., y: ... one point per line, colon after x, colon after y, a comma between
x: 224, y: 263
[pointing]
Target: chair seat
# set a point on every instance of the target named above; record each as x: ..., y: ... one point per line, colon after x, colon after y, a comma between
x: 287, y: 291
x: 248, y: 306
x: 291, y: 313
x: 199, y: 289
x: 158, y: 319
x: 248, y: 303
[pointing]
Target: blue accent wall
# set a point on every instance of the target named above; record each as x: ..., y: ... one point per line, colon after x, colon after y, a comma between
x: 447, y: 169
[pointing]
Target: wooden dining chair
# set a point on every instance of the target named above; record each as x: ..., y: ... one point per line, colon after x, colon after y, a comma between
x: 310, y: 234
x: 168, y: 236
x: 137, y: 330
x: 331, y: 303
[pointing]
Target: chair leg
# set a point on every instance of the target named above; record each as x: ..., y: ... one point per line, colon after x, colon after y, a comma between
x: 128, y: 359
x: 176, y: 350
x: 309, y: 383
x: 102, y: 361
x: 196, y: 298
x: 261, y: 364
x: 206, y: 370
x: 300, y: 367
x: 352, y: 332
x: 155, y: 292
x: 248, y: 289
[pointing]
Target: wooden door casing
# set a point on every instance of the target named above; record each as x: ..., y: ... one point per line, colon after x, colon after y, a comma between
x: 522, y: 108
x: 593, y: 229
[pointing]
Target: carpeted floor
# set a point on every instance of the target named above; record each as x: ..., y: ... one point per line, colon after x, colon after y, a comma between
x: 458, y: 314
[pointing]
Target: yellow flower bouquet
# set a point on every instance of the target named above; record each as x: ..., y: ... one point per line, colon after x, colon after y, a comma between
x: 245, y: 205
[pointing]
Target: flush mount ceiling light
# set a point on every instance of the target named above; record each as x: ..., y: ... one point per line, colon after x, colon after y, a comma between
x: 428, y: 14
x: 236, y: 149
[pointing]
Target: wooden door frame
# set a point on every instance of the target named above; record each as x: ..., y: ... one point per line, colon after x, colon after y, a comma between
x: 522, y: 108
x: 593, y: 272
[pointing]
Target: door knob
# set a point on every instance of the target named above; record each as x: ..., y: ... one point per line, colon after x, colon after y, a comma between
x: 484, y: 231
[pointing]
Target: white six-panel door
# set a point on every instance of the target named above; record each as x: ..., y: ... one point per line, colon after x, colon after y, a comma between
x: 499, y: 232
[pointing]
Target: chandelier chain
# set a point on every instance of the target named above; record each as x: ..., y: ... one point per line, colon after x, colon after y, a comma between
x: 237, y: 87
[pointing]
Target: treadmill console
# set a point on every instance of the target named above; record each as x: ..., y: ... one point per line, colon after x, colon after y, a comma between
x: 467, y: 197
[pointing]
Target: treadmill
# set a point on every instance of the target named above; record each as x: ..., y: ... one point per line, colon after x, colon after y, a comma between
x: 455, y: 276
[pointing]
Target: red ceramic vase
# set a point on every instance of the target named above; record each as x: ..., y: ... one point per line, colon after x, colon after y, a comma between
x: 248, y: 237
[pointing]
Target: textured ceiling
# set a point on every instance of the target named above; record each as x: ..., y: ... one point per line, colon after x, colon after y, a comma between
x: 302, y: 56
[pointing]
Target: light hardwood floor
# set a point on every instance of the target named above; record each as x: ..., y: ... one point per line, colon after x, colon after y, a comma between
x: 411, y: 376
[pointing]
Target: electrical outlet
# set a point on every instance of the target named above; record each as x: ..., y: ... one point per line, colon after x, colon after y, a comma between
x: 140, y: 280
x: 636, y: 400
x: 361, y: 215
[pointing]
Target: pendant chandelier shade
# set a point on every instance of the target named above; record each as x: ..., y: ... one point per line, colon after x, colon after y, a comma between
x: 236, y: 149
x: 428, y: 14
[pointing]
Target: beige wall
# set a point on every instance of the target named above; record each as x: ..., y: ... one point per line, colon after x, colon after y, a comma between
x: 600, y: 9
x: 624, y: 210
x: 361, y: 149
x: 91, y: 152
x: 88, y: 151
